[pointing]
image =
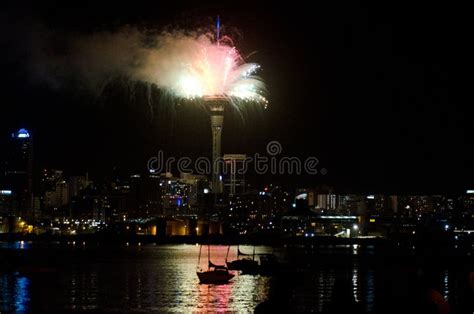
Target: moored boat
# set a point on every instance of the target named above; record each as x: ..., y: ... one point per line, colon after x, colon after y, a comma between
x: 215, y: 274
x: 245, y: 264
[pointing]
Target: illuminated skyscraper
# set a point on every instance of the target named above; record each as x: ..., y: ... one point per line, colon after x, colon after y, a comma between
x: 18, y: 172
x: 234, y: 166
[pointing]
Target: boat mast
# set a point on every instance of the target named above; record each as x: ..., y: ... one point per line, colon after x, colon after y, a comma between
x: 199, y: 258
x: 227, y: 255
x: 208, y: 255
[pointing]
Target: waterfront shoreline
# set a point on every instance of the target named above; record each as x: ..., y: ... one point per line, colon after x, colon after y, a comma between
x: 212, y: 239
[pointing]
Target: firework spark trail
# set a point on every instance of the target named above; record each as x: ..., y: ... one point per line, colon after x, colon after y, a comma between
x: 185, y: 65
x: 204, y: 68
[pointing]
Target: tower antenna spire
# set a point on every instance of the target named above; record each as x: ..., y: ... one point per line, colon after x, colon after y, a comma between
x: 218, y: 29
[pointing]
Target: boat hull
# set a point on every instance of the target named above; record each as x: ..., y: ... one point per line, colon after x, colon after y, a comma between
x: 214, y: 276
x: 242, y: 264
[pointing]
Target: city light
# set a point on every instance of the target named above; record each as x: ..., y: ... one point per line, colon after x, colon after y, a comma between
x: 22, y: 133
x: 338, y: 217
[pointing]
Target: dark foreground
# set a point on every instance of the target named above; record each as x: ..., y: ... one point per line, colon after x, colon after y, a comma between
x: 323, y: 278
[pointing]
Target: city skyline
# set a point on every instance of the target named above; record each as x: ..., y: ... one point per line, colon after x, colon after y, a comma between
x: 380, y: 110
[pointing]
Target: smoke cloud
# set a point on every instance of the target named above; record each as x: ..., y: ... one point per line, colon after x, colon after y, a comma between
x: 92, y: 60
x: 186, y: 64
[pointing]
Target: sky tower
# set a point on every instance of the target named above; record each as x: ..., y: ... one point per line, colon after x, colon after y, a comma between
x: 216, y: 105
x: 224, y: 81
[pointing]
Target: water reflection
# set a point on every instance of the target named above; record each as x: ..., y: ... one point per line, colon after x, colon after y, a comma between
x: 355, y: 288
x: 14, y: 293
x: 82, y: 294
x: 160, y: 278
x: 15, y: 245
x: 214, y: 297
x: 163, y: 278
x: 445, y: 286
x: 21, y: 294
x: 370, y: 288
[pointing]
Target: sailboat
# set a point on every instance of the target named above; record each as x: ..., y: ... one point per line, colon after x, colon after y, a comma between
x: 245, y: 264
x: 215, y: 274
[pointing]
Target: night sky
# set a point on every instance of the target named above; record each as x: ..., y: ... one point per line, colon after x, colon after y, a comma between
x: 376, y: 92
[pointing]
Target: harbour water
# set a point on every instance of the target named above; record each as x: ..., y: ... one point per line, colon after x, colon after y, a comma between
x: 162, y: 278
